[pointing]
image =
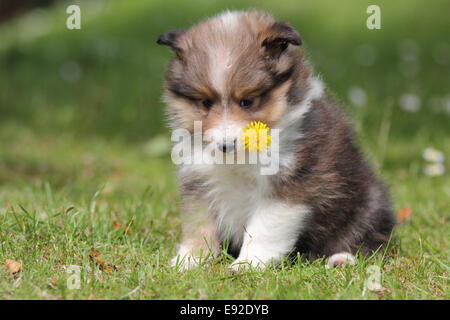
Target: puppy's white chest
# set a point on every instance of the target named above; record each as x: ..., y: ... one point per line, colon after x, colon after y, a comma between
x: 235, y: 195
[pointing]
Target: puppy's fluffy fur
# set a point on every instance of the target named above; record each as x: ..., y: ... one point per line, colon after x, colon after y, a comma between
x: 239, y: 67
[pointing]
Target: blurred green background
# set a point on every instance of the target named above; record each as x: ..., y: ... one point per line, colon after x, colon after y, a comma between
x: 102, y: 85
x: 81, y: 110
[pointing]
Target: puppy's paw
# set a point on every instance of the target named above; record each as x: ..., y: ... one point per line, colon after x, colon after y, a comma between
x: 184, y: 262
x: 244, y: 265
x: 339, y: 259
x: 188, y: 258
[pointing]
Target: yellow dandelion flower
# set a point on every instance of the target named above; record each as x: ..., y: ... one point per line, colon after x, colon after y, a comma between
x: 256, y: 137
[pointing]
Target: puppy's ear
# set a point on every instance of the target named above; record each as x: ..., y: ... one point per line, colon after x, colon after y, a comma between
x: 170, y: 39
x: 279, y: 35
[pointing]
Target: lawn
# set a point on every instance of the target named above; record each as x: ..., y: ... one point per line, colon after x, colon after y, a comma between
x: 87, y: 186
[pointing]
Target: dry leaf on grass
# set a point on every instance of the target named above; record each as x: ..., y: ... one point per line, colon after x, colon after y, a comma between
x: 13, y: 266
x: 118, y: 225
x: 95, y: 255
x: 108, y: 270
x: 404, y: 214
x: 51, y: 283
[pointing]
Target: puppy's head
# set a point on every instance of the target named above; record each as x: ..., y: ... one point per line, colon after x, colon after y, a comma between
x: 230, y: 70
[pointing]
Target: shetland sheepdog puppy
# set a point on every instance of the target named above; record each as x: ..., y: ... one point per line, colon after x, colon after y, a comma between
x: 239, y: 68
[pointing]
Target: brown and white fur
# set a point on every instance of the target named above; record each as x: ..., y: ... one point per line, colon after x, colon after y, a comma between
x: 323, y: 202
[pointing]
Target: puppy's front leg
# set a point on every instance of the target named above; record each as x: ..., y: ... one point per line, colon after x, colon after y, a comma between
x: 199, y: 237
x: 270, y: 235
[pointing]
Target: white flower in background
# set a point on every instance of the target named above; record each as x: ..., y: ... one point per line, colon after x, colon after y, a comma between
x: 410, y: 102
x: 434, y: 169
x: 357, y: 96
x: 365, y: 55
x: 433, y: 155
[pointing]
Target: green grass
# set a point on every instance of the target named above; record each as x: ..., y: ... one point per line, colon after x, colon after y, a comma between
x: 75, y: 157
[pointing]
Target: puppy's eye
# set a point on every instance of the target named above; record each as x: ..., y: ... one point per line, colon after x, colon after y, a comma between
x: 207, y: 103
x: 246, y: 103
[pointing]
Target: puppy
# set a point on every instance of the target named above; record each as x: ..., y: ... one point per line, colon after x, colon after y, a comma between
x: 324, y: 200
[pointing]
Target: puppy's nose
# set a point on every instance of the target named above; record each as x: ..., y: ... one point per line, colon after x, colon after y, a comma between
x: 227, y: 146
